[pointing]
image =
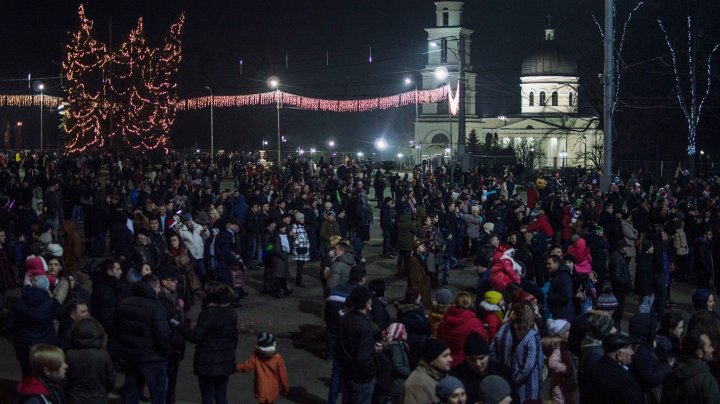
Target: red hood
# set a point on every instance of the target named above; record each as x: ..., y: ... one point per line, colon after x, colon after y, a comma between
x: 457, y: 316
x: 32, y: 387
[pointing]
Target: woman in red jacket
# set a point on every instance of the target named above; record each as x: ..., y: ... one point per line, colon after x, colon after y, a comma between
x: 459, y: 321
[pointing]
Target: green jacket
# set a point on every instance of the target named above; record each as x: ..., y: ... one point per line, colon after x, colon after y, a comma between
x: 690, y: 383
x: 406, y: 231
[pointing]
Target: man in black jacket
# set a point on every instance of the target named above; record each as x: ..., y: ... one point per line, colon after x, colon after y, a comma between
x: 356, y: 349
x: 560, y: 294
x: 477, y: 366
x: 145, y: 338
x: 104, y: 300
x: 169, y: 299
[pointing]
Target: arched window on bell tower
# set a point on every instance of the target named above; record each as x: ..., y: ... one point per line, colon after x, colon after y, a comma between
x: 554, y: 99
x: 570, y: 99
x: 445, y: 18
x: 542, y: 98
x: 531, y: 99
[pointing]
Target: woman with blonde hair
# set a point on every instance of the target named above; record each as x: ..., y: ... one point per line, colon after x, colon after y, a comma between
x: 48, y: 371
x: 459, y: 321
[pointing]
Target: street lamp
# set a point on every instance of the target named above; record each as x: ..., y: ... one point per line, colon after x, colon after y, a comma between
x: 331, y: 144
x: 504, y: 119
x: 381, y: 144
x: 41, y: 87
x: 360, y: 154
x: 274, y: 82
x: 409, y: 81
x: 212, y: 127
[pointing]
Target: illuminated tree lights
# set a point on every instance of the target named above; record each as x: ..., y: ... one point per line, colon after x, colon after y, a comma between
x: 87, y: 111
x: 134, y: 88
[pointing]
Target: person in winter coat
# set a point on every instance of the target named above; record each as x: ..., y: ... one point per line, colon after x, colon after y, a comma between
x: 599, y: 251
x: 472, y: 221
x: 91, y: 373
x: 406, y: 232
x: 620, y: 278
x: 561, y: 292
x: 646, y: 367
x: 691, y: 381
x: 341, y: 265
x: 395, y: 347
x: 271, y: 377
x: 33, y: 320
x: 581, y: 253
x: 145, y: 335
x: 72, y: 247
x: 504, y: 269
x: 418, y: 275
x: 434, y: 365
x: 411, y: 314
x: 560, y: 363
x: 492, y: 312
x: 441, y: 304
x: 645, y: 276
x: 703, y: 259
x: 608, y: 380
x: 459, y: 321
x: 631, y: 234
x: 540, y: 223
x: 517, y: 346
x: 44, y: 385
x: 301, y: 247
x: 215, y: 335
x: 682, y: 251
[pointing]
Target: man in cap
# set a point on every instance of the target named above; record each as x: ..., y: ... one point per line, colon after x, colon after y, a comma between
x: 478, y: 366
x: 435, y: 364
x: 174, y: 309
x: 609, y: 380
x: 579, y: 327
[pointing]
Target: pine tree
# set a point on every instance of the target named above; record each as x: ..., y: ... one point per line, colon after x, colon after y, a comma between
x: 87, y: 108
x: 473, y: 143
x: 134, y: 104
x: 163, y: 85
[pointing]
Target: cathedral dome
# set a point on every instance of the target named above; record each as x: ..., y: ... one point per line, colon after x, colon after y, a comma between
x: 548, y: 59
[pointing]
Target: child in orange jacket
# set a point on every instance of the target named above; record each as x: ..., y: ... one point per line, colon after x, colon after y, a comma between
x: 269, y: 367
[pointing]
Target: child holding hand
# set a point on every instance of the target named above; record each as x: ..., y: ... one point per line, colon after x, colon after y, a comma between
x: 269, y: 367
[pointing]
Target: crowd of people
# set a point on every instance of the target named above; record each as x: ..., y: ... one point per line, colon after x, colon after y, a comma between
x: 111, y: 254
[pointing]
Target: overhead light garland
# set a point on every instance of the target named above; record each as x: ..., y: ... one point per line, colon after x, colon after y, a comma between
x: 321, y: 104
x: 29, y: 101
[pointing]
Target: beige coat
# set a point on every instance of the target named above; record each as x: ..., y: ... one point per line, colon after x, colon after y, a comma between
x: 419, y: 387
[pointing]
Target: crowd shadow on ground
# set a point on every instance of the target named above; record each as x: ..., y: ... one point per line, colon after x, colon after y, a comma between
x: 310, y: 338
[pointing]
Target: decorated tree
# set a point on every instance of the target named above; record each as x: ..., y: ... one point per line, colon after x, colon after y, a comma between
x: 87, y: 108
x: 162, y: 85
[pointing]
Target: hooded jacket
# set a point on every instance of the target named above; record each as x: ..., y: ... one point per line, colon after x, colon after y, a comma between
x: 340, y: 270
x: 34, y: 313
x: 560, y: 294
x: 420, y: 385
x: 502, y: 272
x: 34, y: 390
x: 690, y: 383
x: 646, y: 366
x: 90, y: 373
x: 583, y: 259
x: 454, y: 328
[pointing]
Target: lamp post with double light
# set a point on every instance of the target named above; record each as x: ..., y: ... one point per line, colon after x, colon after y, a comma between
x: 41, y: 88
x: 274, y: 82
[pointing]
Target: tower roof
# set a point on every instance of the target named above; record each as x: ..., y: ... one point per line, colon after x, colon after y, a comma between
x: 548, y: 59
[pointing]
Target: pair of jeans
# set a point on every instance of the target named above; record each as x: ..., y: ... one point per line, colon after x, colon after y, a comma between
x: 213, y: 390
x: 334, y: 388
x: 154, y: 374
x: 357, y: 393
x: 200, y: 269
x: 252, y: 245
x: 387, y: 240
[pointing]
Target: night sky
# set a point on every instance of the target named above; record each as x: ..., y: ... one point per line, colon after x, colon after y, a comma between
x: 218, y: 34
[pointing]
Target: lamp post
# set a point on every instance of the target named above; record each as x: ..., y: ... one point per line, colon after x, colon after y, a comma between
x: 212, y: 126
x: 409, y: 81
x: 41, y: 87
x: 563, y: 155
x: 274, y: 82
x: 381, y: 145
x: 441, y: 73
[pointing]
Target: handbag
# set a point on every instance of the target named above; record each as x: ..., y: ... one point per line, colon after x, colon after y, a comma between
x: 193, y: 281
x: 301, y: 250
x: 238, y: 276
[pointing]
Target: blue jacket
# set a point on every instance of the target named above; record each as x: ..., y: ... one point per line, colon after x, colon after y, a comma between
x: 34, y: 313
x: 240, y: 209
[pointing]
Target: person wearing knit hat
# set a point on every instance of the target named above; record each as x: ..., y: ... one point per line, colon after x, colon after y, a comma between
x: 55, y: 250
x: 492, y: 312
x: 435, y: 364
x: 495, y: 390
x: 271, y: 377
x: 450, y: 390
x: 440, y: 306
x: 559, y: 327
x: 606, y: 302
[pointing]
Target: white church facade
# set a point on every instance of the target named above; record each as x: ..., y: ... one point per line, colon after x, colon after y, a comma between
x: 548, y: 123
